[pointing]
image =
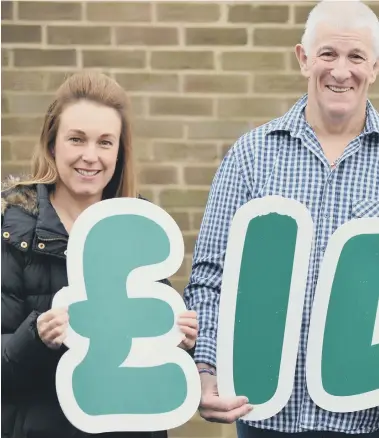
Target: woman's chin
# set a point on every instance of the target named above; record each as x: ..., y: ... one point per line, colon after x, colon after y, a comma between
x: 89, y: 192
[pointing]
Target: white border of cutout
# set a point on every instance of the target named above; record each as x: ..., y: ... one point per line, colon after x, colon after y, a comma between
x: 144, y: 351
x: 328, y: 268
x: 250, y: 210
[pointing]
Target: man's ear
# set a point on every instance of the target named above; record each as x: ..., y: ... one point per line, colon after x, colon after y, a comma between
x: 302, y: 59
x: 375, y: 72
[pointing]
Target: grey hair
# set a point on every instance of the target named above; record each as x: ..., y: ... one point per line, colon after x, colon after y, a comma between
x: 350, y: 14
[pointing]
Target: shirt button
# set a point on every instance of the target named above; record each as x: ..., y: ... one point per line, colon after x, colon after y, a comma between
x: 24, y: 245
x: 6, y: 235
x: 326, y: 216
x: 41, y: 245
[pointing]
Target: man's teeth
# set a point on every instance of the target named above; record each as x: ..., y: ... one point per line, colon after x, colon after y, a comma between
x: 87, y: 172
x: 338, y: 89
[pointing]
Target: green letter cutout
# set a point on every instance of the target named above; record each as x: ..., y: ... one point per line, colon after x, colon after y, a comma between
x: 123, y: 370
x: 343, y: 344
x: 261, y: 302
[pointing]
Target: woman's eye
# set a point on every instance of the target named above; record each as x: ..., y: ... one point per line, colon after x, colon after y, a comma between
x: 75, y: 139
x: 106, y: 143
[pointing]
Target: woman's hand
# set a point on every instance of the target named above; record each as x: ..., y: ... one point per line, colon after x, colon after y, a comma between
x: 189, y: 326
x: 52, y: 327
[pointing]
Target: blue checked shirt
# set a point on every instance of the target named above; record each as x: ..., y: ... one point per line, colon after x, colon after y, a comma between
x: 285, y: 158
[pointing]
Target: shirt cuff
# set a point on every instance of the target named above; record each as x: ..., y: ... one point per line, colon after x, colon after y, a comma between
x: 205, y: 351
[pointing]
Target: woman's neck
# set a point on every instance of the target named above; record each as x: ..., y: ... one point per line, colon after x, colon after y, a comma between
x: 68, y: 206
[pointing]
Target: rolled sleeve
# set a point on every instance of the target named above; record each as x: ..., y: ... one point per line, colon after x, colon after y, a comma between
x: 202, y: 294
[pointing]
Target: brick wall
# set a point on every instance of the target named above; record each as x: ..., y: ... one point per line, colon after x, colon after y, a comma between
x: 198, y: 74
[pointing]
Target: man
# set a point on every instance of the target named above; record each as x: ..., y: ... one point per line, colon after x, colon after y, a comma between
x: 324, y: 153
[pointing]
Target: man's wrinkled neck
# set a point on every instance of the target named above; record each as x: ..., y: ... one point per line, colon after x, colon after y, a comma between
x: 325, y: 125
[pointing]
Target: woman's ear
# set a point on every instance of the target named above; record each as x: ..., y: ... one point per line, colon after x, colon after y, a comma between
x: 302, y: 59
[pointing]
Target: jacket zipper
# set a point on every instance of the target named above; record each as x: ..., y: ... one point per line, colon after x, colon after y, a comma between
x: 52, y: 239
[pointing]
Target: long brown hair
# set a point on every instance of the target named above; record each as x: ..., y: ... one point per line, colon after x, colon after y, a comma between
x: 98, y: 88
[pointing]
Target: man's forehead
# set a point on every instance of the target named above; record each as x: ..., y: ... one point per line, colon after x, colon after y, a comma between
x: 325, y: 33
x: 359, y: 39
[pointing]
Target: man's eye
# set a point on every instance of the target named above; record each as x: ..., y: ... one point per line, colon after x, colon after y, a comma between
x: 357, y: 57
x: 327, y: 54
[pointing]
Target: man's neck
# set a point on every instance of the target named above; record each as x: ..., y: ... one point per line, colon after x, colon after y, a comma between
x: 69, y: 207
x: 342, y: 128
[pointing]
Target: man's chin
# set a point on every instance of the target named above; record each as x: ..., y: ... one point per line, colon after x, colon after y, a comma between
x: 339, y: 111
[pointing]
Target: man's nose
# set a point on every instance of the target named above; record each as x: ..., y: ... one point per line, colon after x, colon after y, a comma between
x: 341, y: 71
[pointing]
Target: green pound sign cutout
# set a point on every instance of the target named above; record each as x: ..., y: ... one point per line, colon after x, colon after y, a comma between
x: 343, y: 344
x: 124, y: 370
x: 261, y: 302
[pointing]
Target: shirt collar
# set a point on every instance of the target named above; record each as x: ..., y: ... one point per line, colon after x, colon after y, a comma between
x: 294, y: 120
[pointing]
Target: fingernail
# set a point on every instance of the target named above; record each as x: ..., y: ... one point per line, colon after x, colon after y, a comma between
x: 250, y: 407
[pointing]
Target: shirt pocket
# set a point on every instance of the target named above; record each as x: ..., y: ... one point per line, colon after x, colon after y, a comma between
x: 365, y: 208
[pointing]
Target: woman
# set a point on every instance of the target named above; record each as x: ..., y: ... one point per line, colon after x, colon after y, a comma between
x: 84, y: 155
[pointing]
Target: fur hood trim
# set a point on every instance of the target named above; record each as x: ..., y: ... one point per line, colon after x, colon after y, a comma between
x: 23, y: 196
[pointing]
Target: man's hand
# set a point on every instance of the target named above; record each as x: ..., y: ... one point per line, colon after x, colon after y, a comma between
x: 52, y: 327
x: 221, y: 410
x: 189, y: 326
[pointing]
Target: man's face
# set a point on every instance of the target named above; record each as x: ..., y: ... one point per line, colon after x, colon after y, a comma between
x: 340, y: 68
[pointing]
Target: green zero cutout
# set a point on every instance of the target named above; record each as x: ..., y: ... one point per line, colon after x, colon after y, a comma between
x: 343, y: 343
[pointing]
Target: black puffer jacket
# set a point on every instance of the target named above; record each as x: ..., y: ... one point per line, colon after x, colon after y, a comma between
x: 33, y: 270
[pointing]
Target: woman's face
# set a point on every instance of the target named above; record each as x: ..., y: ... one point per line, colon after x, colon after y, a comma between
x: 86, y: 148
